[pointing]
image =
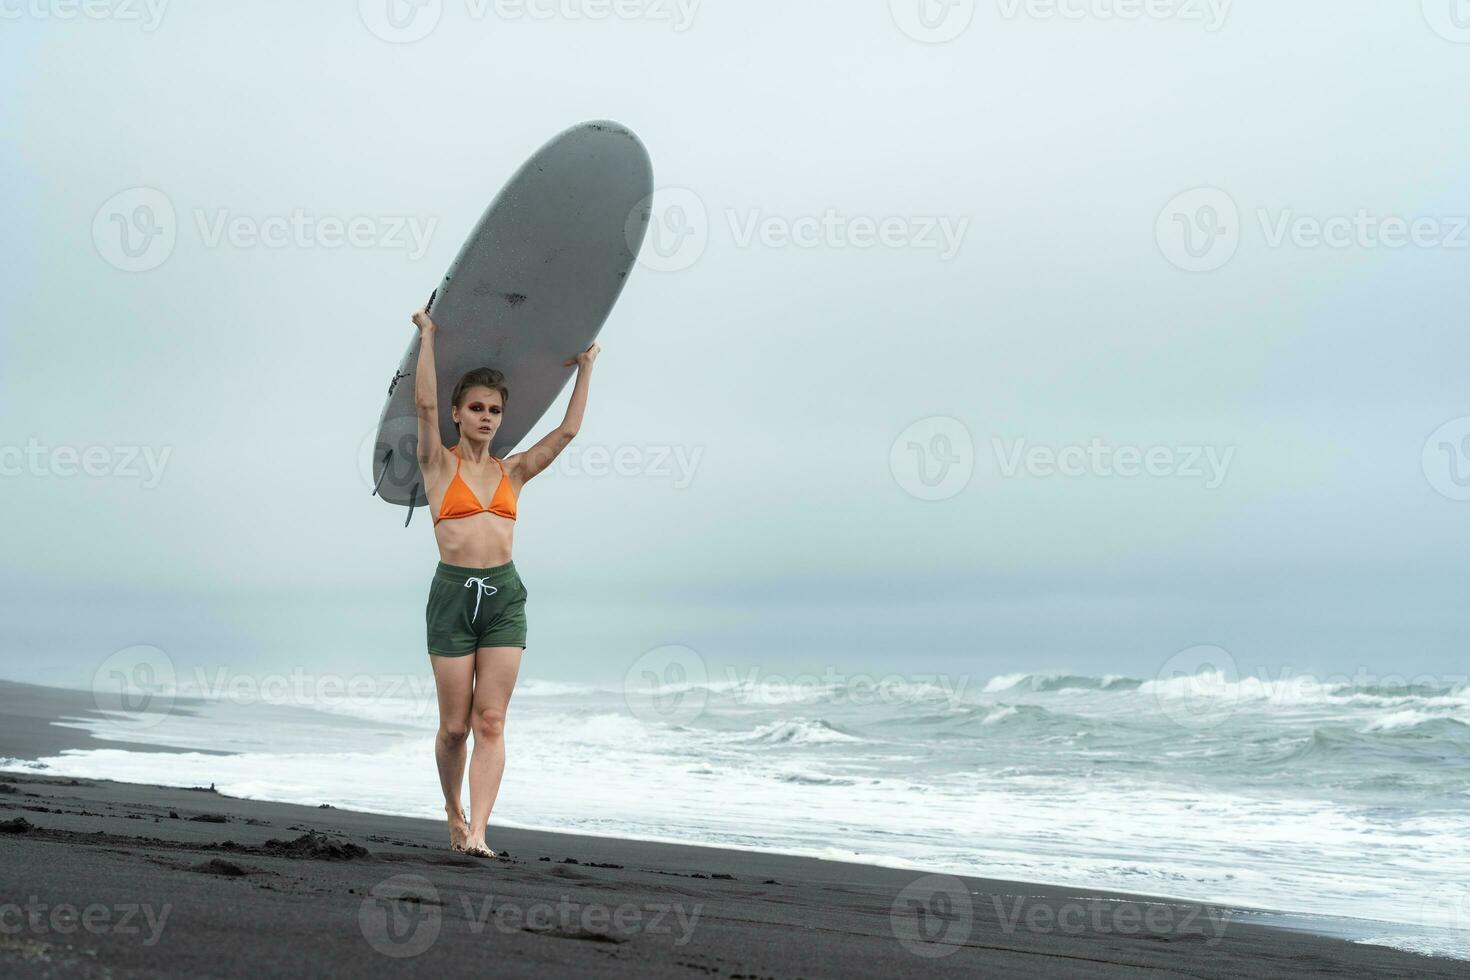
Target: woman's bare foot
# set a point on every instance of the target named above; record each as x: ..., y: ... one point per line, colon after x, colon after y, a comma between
x: 459, y: 828
x: 477, y: 848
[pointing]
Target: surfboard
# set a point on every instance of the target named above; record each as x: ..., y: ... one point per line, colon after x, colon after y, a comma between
x: 531, y: 287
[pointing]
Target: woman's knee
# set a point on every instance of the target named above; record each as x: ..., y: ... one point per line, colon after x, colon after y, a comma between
x: 454, y: 731
x: 489, y: 723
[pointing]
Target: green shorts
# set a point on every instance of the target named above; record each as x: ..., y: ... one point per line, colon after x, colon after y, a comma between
x: 470, y: 608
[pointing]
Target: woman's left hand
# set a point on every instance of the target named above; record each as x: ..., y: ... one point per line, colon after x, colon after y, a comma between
x: 584, y: 360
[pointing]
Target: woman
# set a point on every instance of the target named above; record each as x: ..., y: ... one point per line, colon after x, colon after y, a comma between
x: 476, y: 613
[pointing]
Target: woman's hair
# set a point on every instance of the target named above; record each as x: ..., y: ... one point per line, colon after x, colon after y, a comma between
x: 481, y: 378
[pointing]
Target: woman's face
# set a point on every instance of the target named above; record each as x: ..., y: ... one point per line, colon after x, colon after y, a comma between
x: 478, y: 417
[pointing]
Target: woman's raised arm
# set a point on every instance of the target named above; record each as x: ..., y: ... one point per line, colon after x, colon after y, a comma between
x: 426, y: 396
x: 540, y: 456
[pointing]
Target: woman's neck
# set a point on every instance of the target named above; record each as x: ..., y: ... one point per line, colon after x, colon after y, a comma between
x: 472, y: 451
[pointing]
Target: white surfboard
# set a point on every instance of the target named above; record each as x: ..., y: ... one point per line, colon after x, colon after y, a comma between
x: 531, y: 288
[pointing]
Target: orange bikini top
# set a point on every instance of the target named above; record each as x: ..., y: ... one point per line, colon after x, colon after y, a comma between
x: 460, y: 500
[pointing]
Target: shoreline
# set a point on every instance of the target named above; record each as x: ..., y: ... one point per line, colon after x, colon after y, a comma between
x: 904, y: 921
x: 292, y: 887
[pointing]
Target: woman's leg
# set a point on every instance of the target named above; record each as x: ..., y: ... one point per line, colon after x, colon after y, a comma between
x: 495, y: 678
x: 454, y: 679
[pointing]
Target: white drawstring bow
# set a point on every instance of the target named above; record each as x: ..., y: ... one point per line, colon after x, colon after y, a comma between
x: 482, y: 588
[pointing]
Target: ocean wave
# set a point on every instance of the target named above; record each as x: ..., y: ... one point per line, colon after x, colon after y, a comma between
x: 799, y: 731
x: 1412, y: 718
x: 1293, y: 691
x: 1047, y: 683
x: 531, y: 687
x: 1018, y: 714
x: 1300, y: 691
x: 965, y: 716
x: 811, y: 779
x: 592, y: 728
x: 775, y: 691
x: 1404, y: 754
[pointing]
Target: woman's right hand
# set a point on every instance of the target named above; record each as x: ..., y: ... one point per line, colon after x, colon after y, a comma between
x: 422, y: 321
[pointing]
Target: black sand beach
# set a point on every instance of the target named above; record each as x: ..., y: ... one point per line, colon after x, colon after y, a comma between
x: 112, y: 879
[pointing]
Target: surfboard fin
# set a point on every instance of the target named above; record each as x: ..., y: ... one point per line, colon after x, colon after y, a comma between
x: 411, y: 504
x: 386, y: 457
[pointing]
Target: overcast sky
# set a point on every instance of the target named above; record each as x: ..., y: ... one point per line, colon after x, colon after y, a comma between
x: 922, y: 292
